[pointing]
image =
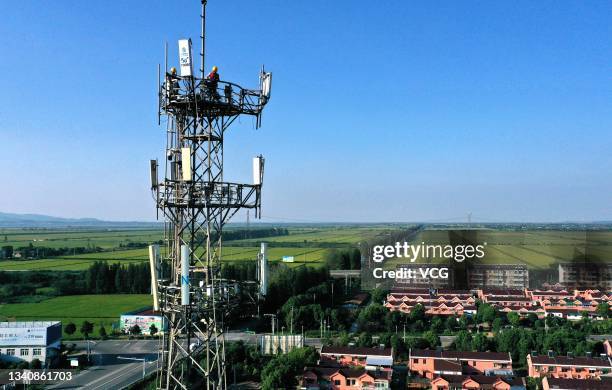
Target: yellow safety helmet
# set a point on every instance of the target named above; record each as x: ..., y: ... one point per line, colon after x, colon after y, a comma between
x: 173, y: 70
x: 214, y: 68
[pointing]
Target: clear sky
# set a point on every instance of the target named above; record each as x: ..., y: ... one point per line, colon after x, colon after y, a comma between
x: 380, y: 111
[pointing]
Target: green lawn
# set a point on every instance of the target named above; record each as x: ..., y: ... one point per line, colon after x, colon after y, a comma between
x: 98, y: 309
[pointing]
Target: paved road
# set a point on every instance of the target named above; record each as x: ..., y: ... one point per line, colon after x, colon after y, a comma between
x: 108, y: 372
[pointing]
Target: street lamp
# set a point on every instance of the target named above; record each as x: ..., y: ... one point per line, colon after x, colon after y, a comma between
x: 143, y: 360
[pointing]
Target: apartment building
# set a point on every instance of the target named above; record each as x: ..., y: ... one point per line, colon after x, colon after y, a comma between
x: 442, y: 302
x: 430, y: 363
x: 512, y: 276
x: 342, y: 378
x: 568, y: 367
x: 583, y: 274
x: 576, y: 384
x: 447, y: 382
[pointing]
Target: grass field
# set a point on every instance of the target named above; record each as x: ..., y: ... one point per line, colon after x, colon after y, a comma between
x: 98, y: 309
x: 536, y: 249
x: 61, y: 238
x: 233, y: 251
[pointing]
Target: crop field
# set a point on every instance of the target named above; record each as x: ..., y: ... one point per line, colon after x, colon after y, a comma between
x: 308, y: 246
x: 536, y: 249
x: 60, y: 238
x: 341, y: 235
x: 76, y: 262
x: 97, y: 309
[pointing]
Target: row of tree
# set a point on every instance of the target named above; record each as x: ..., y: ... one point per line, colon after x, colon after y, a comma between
x: 105, y: 278
x: 343, y: 259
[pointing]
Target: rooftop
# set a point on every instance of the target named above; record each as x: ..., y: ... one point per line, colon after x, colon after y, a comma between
x: 459, y: 355
x: 28, y: 324
x: 581, y: 361
x: 362, y: 351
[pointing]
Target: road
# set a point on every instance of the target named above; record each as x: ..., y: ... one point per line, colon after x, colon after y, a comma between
x: 109, y: 372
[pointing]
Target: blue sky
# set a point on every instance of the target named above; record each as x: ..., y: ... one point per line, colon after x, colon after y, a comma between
x: 390, y: 111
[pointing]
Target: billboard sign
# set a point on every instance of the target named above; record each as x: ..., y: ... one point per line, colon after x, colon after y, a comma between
x: 143, y: 322
x: 10, y: 336
x: 288, y: 259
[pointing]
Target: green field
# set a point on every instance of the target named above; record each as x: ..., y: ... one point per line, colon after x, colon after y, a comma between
x: 538, y: 249
x: 98, y: 309
x: 306, y: 245
x: 62, y: 238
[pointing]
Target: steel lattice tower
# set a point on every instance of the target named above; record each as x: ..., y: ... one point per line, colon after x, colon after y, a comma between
x: 197, y: 202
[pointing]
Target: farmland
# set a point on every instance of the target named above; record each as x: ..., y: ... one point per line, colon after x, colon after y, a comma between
x: 97, y: 309
x: 538, y: 249
x: 308, y: 245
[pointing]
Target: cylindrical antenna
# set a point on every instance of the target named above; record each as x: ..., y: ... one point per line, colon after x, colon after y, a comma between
x: 202, y: 44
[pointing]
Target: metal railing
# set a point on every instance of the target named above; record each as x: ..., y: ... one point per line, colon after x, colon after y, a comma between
x: 221, y: 95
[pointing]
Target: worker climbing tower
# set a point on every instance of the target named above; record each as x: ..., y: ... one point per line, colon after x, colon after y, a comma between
x: 197, y: 202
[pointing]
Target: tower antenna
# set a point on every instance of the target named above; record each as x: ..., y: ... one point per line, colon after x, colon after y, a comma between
x: 194, y: 300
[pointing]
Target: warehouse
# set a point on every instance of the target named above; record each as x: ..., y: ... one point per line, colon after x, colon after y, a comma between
x: 27, y: 341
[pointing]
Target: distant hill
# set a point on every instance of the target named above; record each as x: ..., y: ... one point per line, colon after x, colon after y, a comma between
x: 11, y: 220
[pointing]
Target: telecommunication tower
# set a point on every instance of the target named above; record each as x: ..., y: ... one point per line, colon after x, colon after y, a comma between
x: 197, y: 202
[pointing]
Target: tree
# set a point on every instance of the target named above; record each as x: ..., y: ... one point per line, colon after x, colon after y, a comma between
x: 7, y: 251
x: 417, y: 313
x: 485, y: 313
x: 102, y: 332
x: 480, y: 343
x: 135, y: 330
x: 603, y: 310
x: 153, y: 330
x: 281, y: 371
x: 379, y: 295
x: 437, y: 325
x: 70, y: 328
x: 514, y: 319
x: 36, y: 364
x: 86, y: 329
x: 431, y: 338
x: 463, y: 341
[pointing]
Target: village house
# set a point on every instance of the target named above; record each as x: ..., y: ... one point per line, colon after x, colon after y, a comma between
x: 569, y: 367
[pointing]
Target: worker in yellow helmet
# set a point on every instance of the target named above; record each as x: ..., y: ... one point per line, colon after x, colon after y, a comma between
x: 173, y: 84
x: 212, y: 82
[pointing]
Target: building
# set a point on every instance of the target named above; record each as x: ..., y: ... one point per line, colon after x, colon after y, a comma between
x: 575, y: 384
x: 343, y: 378
x: 27, y: 341
x: 446, y: 382
x: 551, y: 295
x: 571, y: 313
x: 430, y: 364
x: 512, y: 276
x: 586, y: 275
x: 443, y: 302
x: 568, y: 367
x: 273, y: 344
x: 370, y: 358
x: 144, y: 318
